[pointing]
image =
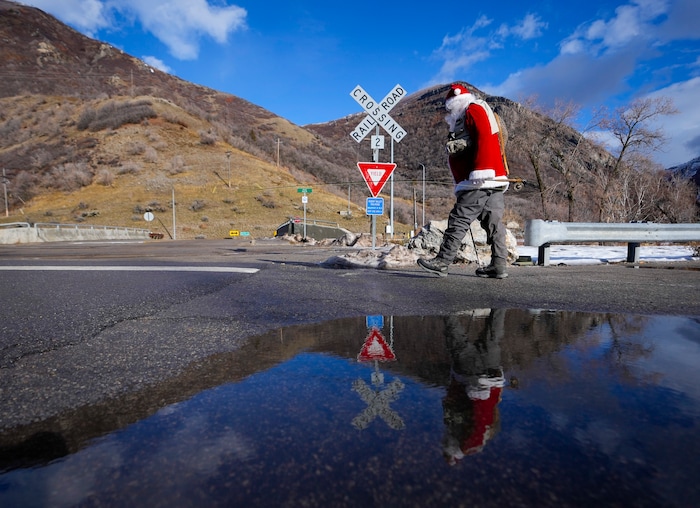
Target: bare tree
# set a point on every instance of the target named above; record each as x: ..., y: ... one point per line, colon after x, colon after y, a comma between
x: 534, y: 146
x: 556, y: 146
x: 630, y: 127
x: 565, y: 158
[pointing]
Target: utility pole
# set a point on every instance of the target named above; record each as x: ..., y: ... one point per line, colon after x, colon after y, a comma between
x: 423, y: 200
x: 278, y: 151
x: 228, y: 159
x: 174, y: 226
x: 4, y: 184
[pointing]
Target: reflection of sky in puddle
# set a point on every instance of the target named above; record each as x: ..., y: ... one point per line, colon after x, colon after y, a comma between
x: 519, y: 408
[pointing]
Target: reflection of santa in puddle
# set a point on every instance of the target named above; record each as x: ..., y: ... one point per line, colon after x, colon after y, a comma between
x: 470, y: 407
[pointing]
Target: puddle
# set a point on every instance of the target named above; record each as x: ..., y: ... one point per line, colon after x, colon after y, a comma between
x: 486, y: 408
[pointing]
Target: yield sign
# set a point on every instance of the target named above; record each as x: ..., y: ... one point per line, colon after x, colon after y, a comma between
x: 376, y: 348
x: 376, y: 174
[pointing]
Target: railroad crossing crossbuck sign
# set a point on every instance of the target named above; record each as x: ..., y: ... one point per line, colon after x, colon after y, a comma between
x: 378, y: 113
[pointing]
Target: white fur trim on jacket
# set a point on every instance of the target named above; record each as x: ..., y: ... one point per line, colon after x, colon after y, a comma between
x: 489, y: 112
x: 483, y: 179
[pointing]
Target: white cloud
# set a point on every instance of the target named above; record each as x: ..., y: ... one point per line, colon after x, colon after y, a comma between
x: 460, y: 52
x: 684, y: 128
x: 631, y: 24
x: 682, y: 22
x: 530, y: 27
x: 577, y: 77
x: 609, y: 60
x: 157, y: 63
x: 88, y: 16
x: 179, y: 24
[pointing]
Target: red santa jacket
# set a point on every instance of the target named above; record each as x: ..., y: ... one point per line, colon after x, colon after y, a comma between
x: 482, y: 165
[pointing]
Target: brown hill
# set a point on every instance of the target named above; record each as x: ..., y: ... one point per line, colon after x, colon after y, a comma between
x: 90, y: 133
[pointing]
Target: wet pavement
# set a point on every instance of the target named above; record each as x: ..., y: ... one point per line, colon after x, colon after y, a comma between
x: 292, y: 384
x: 487, y: 407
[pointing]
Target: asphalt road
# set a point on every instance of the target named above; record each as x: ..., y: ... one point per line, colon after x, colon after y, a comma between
x: 81, y: 324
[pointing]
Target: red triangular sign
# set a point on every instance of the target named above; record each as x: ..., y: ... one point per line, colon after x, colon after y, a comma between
x: 376, y: 174
x: 376, y: 348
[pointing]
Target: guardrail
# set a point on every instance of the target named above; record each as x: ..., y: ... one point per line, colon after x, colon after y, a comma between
x: 541, y: 234
x: 16, y: 225
x: 23, y: 232
x: 89, y: 227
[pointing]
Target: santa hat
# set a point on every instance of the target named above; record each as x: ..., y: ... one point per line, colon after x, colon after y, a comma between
x: 455, y: 90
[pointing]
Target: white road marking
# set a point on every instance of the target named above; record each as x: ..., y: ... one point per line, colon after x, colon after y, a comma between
x: 216, y: 269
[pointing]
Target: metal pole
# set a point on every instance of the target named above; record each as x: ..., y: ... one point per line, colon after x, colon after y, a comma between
x: 174, y: 227
x: 391, y: 211
x: 4, y: 184
x: 228, y: 159
x: 423, y: 201
x: 415, y: 219
x: 374, y: 217
x: 304, y: 199
x: 423, y: 166
x: 476, y: 251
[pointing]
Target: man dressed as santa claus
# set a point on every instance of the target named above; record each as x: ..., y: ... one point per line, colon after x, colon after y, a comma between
x: 476, y: 162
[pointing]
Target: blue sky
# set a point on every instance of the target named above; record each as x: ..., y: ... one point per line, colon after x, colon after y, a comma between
x: 301, y: 59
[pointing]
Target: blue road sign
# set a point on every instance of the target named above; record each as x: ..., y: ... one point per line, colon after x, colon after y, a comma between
x: 375, y: 206
x: 375, y: 321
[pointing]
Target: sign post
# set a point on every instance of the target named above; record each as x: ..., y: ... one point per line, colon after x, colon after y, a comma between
x: 378, y: 116
x: 304, y: 200
x: 376, y: 175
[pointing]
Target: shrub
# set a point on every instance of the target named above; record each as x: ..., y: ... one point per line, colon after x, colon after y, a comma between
x: 207, y: 137
x: 114, y: 114
x: 68, y: 177
x: 265, y: 201
x: 104, y: 177
x: 150, y: 155
x: 135, y: 148
x: 176, y: 165
x: 129, y: 168
x: 155, y: 206
x: 197, y: 205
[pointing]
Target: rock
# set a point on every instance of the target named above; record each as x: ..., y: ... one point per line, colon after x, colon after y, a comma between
x: 427, y: 243
x: 383, y: 259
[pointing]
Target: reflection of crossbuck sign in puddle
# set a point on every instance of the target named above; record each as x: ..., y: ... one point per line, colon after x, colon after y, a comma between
x: 378, y: 404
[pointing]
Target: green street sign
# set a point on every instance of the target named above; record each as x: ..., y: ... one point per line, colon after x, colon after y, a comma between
x: 305, y: 190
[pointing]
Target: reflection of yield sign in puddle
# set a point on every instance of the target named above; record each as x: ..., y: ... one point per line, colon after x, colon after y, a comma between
x: 376, y: 348
x: 378, y: 405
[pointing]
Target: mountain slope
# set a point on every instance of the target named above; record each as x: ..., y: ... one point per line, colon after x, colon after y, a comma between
x: 90, y: 133
x: 55, y: 79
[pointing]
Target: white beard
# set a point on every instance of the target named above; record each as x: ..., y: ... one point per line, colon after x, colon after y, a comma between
x: 456, y: 107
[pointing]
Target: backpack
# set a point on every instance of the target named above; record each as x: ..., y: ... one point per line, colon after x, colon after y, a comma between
x: 503, y: 139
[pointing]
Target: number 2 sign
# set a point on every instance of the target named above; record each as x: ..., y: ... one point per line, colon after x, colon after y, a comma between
x: 377, y: 142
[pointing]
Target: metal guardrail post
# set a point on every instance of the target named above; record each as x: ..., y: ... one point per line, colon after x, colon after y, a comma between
x: 543, y: 254
x: 633, y: 252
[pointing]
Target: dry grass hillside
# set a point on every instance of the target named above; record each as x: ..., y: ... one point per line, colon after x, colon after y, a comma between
x: 132, y: 152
